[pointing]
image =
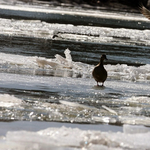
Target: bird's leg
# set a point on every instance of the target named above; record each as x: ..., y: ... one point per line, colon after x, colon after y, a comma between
x: 97, y: 84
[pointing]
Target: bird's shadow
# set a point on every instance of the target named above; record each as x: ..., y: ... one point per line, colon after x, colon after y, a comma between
x: 100, y: 87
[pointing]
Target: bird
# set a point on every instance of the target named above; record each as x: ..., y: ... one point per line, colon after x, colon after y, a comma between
x: 99, y: 72
x: 145, y: 11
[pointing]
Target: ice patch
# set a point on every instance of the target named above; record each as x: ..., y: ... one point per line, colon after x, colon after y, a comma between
x: 73, y: 104
x: 136, y: 137
x: 16, y: 60
x: 110, y: 110
x: 139, y: 99
x: 135, y: 129
x: 125, y: 72
x: 7, y: 100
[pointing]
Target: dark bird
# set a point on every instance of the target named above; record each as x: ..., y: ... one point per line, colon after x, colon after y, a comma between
x: 145, y: 11
x: 99, y: 73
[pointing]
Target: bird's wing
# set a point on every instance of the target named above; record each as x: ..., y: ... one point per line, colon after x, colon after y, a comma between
x: 145, y: 12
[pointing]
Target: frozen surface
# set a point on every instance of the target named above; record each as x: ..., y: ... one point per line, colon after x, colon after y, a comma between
x: 7, y: 100
x: 57, y: 138
x: 38, y: 29
x: 45, y: 76
x: 67, y: 92
x: 66, y: 67
x: 66, y: 100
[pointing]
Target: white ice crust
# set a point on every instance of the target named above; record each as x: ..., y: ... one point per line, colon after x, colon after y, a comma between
x: 133, y: 137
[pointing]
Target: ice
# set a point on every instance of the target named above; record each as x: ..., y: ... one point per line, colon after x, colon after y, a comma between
x: 65, y: 62
x: 42, y: 62
x: 125, y: 72
x: 135, y: 129
x: 74, y: 138
x: 17, y: 60
x: 102, y: 35
x: 25, y: 28
x: 68, y: 57
x: 139, y: 99
x: 110, y: 110
x: 72, y: 104
x: 75, y: 100
x: 122, y: 100
x: 60, y: 66
x: 38, y: 29
x: 28, y: 140
x: 7, y: 100
x: 134, y: 120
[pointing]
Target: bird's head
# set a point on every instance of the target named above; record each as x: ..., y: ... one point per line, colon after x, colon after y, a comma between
x: 103, y: 57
